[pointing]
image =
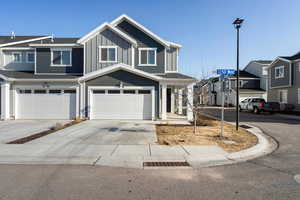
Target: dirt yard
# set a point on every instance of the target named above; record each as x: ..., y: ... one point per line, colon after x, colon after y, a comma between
x: 207, y: 133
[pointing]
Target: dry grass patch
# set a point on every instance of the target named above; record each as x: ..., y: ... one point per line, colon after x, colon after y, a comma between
x: 207, y: 133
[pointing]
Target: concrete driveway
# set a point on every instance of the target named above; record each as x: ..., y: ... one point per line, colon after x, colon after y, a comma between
x: 15, y: 129
x: 104, y: 132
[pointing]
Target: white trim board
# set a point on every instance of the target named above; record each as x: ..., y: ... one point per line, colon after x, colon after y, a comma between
x: 102, y: 27
x: 55, y: 45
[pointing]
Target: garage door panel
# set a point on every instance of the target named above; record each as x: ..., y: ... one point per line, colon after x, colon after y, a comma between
x: 121, y: 106
x: 46, y: 106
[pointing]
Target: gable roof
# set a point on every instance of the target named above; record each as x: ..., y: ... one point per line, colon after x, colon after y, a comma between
x: 244, y: 74
x: 140, y: 27
x: 6, y: 41
x: 116, y: 67
x: 102, y: 27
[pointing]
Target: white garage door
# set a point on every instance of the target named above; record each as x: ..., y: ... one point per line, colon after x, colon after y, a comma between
x: 46, y: 104
x: 121, y: 104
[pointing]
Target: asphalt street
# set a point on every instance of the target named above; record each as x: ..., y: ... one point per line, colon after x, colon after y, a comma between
x: 268, y: 177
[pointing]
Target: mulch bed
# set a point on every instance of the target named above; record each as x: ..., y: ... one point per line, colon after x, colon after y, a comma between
x: 43, y: 133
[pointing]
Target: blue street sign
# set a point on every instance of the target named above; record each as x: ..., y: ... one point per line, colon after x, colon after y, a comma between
x: 225, y: 71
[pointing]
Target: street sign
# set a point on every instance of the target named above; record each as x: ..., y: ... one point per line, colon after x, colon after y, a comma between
x: 225, y: 71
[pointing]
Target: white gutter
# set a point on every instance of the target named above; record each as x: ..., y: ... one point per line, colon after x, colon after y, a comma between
x: 55, y: 45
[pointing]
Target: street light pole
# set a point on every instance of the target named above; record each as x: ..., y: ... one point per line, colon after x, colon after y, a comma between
x: 237, y: 24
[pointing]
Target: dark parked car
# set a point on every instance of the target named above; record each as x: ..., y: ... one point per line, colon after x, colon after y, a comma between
x: 258, y: 105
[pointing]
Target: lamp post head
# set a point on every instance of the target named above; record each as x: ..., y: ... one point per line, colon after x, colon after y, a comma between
x: 238, y: 23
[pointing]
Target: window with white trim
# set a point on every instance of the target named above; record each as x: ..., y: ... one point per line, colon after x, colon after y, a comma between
x: 61, y: 57
x: 147, y: 56
x: 16, y: 57
x: 30, y: 57
x: 108, y: 54
x: 279, y: 72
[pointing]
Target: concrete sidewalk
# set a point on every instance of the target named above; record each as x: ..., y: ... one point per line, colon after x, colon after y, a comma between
x: 130, y: 156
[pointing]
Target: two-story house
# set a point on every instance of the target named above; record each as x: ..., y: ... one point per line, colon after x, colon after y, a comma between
x: 284, y: 80
x: 120, y: 70
x: 259, y: 68
x: 249, y: 86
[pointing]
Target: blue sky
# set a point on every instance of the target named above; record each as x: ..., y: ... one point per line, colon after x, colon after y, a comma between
x: 203, y: 27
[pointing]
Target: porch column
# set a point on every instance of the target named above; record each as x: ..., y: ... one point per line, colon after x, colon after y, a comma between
x: 5, y: 101
x: 82, y: 101
x: 163, y: 101
x: 190, y: 100
x: 180, y: 101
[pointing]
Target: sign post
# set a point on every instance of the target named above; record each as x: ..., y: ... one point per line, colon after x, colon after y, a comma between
x: 224, y: 73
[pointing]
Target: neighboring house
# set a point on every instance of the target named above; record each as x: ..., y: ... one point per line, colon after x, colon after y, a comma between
x: 259, y: 68
x: 201, y: 92
x: 212, y: 91
x: 249, y: 87
x: 120, y: 70
x: 284, y: 80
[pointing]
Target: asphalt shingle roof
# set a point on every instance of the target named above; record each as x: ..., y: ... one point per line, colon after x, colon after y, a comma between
x: 56, y: 40
x: 293, y: 57
x: 175, y: 75
x: 7, y: 39
x: 244, y: 74
x: 31, y: 75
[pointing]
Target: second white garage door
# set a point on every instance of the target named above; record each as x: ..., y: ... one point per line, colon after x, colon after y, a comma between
x: 121, y: 104
x: 46, y: 104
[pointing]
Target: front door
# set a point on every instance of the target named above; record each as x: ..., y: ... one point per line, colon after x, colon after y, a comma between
x: 169, y: 99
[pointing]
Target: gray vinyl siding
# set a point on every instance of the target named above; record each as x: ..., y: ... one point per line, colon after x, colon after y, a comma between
x: 6, y: 62
x: 128, y: 79
x: 143, y: 40
x: 43, y: 62
x: 106, y: 38
x: 172, y: 59
x: 280, y: 82
x: 292, y: 97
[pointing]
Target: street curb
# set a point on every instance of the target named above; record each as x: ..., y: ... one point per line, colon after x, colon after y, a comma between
x: 266, y: 145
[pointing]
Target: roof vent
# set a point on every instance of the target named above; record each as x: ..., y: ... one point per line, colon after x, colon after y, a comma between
x: 13, y: 35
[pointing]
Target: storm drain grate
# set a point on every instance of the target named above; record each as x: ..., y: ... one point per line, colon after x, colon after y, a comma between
x: 245, y: 126
x: 166, y: 164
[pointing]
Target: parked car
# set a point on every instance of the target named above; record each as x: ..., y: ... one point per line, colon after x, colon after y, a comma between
x: 258, y: 105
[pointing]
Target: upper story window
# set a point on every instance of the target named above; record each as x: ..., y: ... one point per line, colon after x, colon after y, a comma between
x: 108, y: 54
x: 279, y: 72
x: 16, y: 57
x: 265, y: 71
x: 147, y: 56
x: 61, y: 57
x: 30, y: 57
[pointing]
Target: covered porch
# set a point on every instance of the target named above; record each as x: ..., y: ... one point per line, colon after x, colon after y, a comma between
x: 176, y: 100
